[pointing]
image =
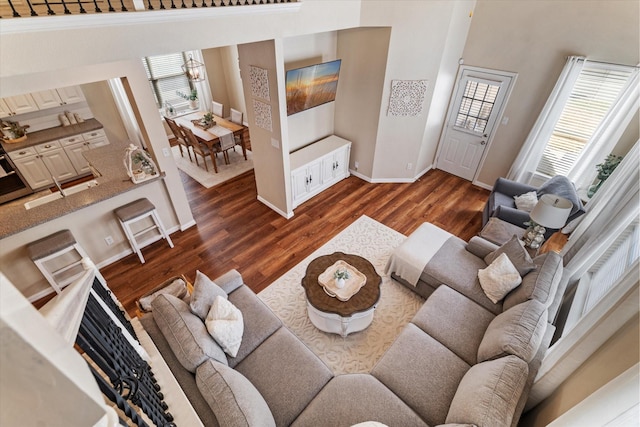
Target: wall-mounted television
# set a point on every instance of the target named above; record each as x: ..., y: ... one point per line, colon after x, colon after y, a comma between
x: 308, y: 87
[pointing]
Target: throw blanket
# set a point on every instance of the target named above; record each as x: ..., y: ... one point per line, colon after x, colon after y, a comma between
x: 412, y: 256
x: 227, y: 139
x: 563, y: 187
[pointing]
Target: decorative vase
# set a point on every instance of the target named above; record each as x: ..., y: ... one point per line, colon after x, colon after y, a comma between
x: 340, y: 283
x: 193, y: 104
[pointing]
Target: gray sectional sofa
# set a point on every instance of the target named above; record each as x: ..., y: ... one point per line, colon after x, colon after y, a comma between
x: 462, y: 360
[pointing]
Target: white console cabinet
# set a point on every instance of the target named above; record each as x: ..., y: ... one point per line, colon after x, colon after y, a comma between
x: 318, y: 166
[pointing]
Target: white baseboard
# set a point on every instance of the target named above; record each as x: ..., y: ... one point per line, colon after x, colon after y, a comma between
x: 274, y: 208
x: 483, y: 185
x: 391, y: 180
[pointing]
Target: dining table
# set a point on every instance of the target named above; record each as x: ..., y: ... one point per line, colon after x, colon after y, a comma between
x: 208, y: 136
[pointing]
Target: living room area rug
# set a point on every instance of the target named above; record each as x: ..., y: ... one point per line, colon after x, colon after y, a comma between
x: 237, y: 166
x: 359, y: 351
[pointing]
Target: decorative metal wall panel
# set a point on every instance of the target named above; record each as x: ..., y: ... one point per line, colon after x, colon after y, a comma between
x: 259, y: 79
x: 262, y: 112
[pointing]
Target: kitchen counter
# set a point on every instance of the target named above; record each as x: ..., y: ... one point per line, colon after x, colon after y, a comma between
x: 112, y: 180
x: 52, y: 134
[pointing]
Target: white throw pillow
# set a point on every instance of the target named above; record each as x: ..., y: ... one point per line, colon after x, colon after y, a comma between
x: 499, y: 278
x: 527, y: 201
x: 225, y: 324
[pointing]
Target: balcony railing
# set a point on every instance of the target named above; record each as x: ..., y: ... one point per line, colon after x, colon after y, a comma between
x: 28, y: 8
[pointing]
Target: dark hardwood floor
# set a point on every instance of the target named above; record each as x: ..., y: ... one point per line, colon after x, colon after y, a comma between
x: 235, y: 230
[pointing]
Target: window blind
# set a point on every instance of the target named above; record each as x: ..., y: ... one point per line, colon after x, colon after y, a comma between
x: 166, y: 78
x: 595, y: 92
x: 612, y: 265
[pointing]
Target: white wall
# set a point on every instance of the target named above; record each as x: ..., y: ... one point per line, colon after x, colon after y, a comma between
x: 316, y: 123
x: 533, y: 39
x: 420, y: 33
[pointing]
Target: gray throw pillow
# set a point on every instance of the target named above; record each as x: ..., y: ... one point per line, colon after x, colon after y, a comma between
x: 204, y: 293
x: 516, y: 253
x: 517, y: 331
x: 232, y: 397
x: 489, y: 392
x: 185, y: 332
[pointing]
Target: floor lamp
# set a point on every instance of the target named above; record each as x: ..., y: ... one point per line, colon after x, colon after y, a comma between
x: 551, y: 211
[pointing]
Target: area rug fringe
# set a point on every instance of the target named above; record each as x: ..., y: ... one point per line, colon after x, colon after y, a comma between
x: 358, y: 352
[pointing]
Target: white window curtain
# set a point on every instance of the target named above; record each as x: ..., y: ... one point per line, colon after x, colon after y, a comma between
x: 524, y: 166
x: 607, y: 134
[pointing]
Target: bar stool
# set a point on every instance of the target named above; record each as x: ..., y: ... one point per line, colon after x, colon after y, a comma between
x: 59, y: 259
x: 137, y: 211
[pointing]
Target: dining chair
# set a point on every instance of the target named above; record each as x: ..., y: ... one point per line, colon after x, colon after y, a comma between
x: 179, y: 136
x: 217, y: 109
x: 199, y: 148
x: 236, y: 116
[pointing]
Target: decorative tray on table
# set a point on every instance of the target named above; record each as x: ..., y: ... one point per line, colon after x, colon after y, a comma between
x: 202, y: 125
x: 352, y: 285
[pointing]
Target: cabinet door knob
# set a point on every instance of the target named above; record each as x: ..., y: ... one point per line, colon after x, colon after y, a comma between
x: 22, y: 153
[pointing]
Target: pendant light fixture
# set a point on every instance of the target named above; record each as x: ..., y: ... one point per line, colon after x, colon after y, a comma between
x: 193, y: 70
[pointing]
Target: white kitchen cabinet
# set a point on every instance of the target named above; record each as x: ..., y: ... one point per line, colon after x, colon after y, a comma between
x: 70, y: 94
x: 20, y: 104
x: 40, y: 163
x: 47, y: 99
x: 75, y: 145
x: 57, y: 97
x: 31, y: 167
x: 318, y: 166
x: 5, y: 111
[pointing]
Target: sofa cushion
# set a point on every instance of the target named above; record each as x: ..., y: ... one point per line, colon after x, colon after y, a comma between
x: 540, y: 284
x: 489, y: 392
x: 224, y: 323
x: 204, y: 292
x: 232, y: 398
x: 422, y: 372
x: 286, y: 373
x: 517, y: 254
x: 499, y: 278
x: 458, y: 268
x: 447, y: 310
x: 517, y: 331
x: 355, y: 398
x: 185, y: 332
x: 259, y: 322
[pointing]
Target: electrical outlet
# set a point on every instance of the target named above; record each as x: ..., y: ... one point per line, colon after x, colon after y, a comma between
x: 109, y: 240
x: 409, y: 166
x: 356, y: 165
x: 275, y: 143
x: 166, y: 152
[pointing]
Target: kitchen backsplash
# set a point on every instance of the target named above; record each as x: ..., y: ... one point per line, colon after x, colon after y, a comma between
x: 49, y: 118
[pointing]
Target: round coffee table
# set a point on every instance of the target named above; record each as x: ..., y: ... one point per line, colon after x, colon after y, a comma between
x: 329, y: 314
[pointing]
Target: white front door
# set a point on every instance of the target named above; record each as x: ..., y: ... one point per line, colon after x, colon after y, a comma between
x: 476, y: 106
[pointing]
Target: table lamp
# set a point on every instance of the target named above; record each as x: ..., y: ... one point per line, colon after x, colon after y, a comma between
x: 551, y: 211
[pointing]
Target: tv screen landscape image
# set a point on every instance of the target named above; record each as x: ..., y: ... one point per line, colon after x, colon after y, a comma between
x: 308, y: 87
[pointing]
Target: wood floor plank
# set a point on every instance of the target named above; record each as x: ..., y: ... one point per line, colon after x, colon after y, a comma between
x: 235, y: 230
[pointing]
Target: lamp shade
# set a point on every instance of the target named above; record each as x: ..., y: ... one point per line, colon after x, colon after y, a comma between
x: 551, y: 211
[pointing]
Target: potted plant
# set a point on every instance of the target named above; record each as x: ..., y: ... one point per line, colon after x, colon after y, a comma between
x: 341, y: 275
x: 605, y: 169
x: 192, y: 97
x: 13, y: 132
